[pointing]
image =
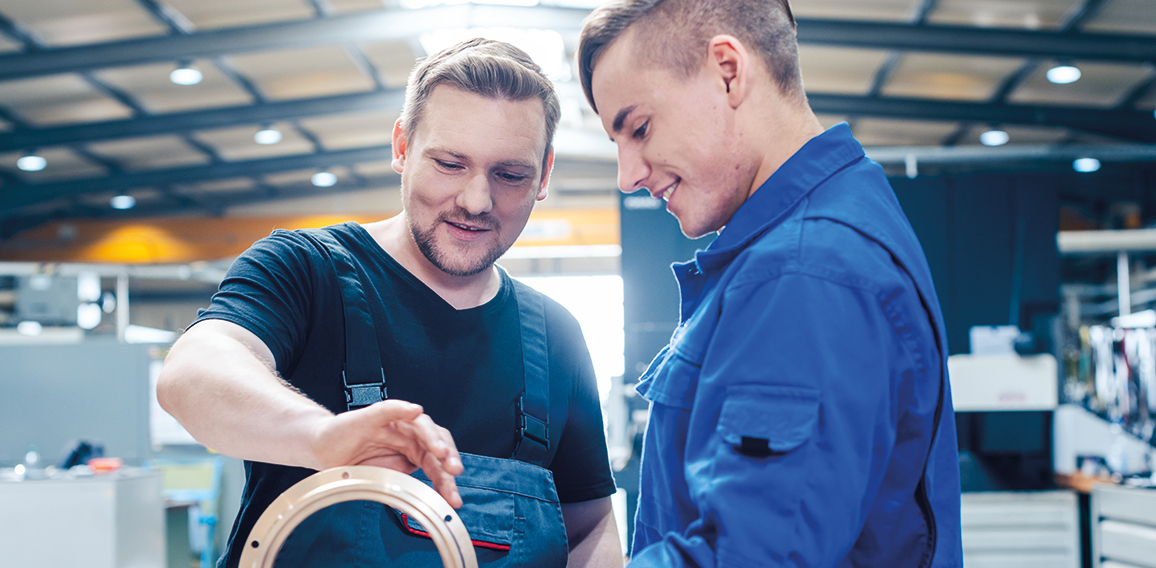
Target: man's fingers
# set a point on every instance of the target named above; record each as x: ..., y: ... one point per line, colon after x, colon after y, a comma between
x: 391, y: 410
x: 443, y: 481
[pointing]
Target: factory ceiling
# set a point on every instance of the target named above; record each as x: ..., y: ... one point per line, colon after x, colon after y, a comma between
x: 284, y: 90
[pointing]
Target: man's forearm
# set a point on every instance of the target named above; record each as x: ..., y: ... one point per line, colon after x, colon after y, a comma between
x: 230, y: 400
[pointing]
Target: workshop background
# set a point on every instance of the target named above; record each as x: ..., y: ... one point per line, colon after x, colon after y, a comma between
x: 145, y: 143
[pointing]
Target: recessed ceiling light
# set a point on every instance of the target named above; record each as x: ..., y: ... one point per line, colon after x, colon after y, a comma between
x: 267, y: 136
x: 123, y: 202
x: 1063, y: 74
x: 186, y: 75
x: 1086, y: 165
x: 994, y: 138
x: 32, y: 163
x: 324, y: 179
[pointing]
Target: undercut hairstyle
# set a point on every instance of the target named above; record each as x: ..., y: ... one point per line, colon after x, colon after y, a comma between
x: 675, y: 35
x: 489, y: 68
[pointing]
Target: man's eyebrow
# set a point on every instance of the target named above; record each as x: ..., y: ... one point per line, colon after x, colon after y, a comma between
x: 621, y: 117
x: 430, y: 151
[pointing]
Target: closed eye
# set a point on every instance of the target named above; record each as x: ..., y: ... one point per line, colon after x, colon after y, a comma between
x: 640, y: 132
x: 448, y: 165
x: 512, y: 178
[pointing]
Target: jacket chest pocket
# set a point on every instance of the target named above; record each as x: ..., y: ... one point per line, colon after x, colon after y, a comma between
x: 671, y: 380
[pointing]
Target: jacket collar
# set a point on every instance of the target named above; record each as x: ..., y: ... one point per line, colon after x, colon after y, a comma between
x: 816, y: 161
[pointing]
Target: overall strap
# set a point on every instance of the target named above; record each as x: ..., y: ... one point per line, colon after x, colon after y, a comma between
x: 534, y: 405
x: 362, y: 373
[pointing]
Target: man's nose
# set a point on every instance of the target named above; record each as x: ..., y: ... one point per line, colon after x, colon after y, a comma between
x: 632, y: 170
x: 475, y: 197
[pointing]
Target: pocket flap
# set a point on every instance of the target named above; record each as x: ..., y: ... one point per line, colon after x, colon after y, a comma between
x: 488, y: 516
x: 783, y: 416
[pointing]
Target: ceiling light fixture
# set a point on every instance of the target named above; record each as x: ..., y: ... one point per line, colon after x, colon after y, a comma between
x: 186, y: 75
x: 267, y: 136
x: 123, y: 202
x: 324, y: 179
x: 1063, y: 74
x: 1086, y: 165
x: 31, y: 163
x: 994, y: 138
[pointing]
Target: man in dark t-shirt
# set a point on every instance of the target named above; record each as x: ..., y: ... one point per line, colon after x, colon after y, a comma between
x: 480, y: 378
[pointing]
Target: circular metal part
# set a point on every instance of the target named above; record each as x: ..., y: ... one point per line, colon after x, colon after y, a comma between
x: 359, y: 483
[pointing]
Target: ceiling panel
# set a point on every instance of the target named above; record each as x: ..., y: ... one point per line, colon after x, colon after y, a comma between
x: 59, y: 99
x: 1148, y: 101
x: 393, y: 60
x: 371, y: 201
x: 1017, y: 135
x: 829, y: 120
x: 949, y: 76
x: 1100, y: 84
x: 63, y: 164
x: 238, y: 144
x: 143, y: 196
x: 8, y: 46
x: 1029, y: 14
x: 5, y: 126
x: 206, y: 14
x: 1124, y: 16
x: 150, y: 152
x: 301, y: 73
x: 150, y: 85
x: 344, y: 6
x: 359, y: 130
x: 887, y: 132
x: 877, y: 10
x: 840, y: 70
x: 73, y: 22
x: 223, y: 186
x: 375, y: 169
x: 295, y: 177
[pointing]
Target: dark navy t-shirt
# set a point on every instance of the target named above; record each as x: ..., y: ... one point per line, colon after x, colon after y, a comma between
x: 464, y: 367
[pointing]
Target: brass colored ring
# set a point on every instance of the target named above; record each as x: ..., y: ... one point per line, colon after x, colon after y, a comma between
x: 357, y: 483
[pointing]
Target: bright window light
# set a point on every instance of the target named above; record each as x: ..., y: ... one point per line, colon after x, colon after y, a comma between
x: 88, y: 286
x: 545, y: 47
x: 596, y: 302
x: 32, y: 163
x: 29, y: 328
x: 1063, y: 74
x: 994, y: 138
x: 324, y: 179
x: 267, y: 136
x: 88, y: 316
x: 186, y: 75
x: 122, y: 202
x: 1086, y: 165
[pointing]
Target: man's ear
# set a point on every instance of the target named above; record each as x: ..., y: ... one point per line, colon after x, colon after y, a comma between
x: 400, y: 145
x: 543, y: 185
x: 727, y: 57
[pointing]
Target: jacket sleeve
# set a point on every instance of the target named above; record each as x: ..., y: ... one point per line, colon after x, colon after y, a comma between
x: 791, y: 429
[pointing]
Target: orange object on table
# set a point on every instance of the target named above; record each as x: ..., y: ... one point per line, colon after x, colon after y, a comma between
x: 105, y: 465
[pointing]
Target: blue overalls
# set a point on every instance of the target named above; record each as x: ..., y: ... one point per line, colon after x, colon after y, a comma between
x: 511, y: 505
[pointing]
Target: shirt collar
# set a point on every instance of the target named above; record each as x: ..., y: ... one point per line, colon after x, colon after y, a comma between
x: 816, y: 161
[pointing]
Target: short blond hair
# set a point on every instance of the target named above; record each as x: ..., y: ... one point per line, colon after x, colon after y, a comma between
x: 675, y: 34
x: 493, y: 69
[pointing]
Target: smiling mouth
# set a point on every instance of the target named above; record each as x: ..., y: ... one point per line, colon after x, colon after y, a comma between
x: 470, y: 228
x: 668, y: 191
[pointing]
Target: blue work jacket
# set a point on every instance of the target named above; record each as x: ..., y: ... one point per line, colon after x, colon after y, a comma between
x: 801, y: 414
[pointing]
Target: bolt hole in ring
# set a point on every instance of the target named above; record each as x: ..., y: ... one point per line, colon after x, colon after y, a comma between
x: 357, y: 483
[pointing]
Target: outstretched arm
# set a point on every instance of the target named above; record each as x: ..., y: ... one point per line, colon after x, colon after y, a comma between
x: 219, y: 383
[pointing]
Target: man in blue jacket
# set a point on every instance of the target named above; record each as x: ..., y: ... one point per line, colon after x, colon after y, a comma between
x: 801, y: 414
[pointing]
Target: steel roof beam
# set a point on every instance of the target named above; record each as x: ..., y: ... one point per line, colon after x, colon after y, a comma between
x: 200, y: 119
x: 1138, y: 126
x: 1120, y: 123
x: 17, y: 196
x: 357, y: 27
x: 399, y: 24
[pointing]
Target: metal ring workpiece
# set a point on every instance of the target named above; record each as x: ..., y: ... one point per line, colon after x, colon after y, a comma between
x: 355, y: 483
